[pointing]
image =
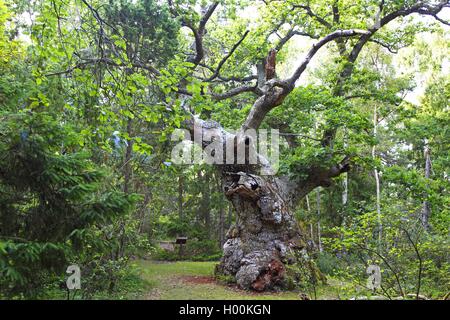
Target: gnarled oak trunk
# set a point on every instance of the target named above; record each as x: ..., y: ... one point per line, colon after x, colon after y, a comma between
x: 258, y: 244
x: 266, y: 233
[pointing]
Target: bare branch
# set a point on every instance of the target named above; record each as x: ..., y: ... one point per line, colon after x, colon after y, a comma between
x: 289, y: 134
x: 289, y: 35
x: 386, y: 262
x: 332, y: 36
x: 384, y: 45
x: 224, y: 59
x: 435, y: 16
x: 105, y: 61
x: 419, y: 7
x: 238, y: 79
x: 234, y: 92
x: 310, y: 13
x: 199, y: 33
x: 419, y: 257
x: 226, y: 95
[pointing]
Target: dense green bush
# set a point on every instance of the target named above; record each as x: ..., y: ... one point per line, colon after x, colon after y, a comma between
x: 412, y: 261
x: 328, y: 263
x: 56, y: 207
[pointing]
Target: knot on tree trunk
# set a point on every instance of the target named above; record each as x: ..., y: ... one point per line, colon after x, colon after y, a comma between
x: 242, y: 184
x: 260, y: 191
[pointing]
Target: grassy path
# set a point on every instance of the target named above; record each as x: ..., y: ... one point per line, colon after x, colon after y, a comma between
x: 194, y: 280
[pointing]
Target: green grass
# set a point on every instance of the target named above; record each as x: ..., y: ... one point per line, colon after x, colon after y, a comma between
x: 166, y: 282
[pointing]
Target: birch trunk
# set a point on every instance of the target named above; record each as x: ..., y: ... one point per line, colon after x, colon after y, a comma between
x: 319, y: 235
x: 426, y: 211
x: 377, y: 177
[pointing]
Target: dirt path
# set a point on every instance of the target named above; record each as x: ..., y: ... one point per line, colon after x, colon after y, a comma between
x: 194, y: 280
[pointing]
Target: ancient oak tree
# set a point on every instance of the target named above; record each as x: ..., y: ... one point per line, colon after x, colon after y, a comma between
x: 266, y: 233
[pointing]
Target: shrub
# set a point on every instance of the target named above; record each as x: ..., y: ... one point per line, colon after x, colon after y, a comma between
x: 55, y: 207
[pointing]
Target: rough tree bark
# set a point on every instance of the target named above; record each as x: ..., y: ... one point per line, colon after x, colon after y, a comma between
x: 258, y: 245
x: 266, y: 233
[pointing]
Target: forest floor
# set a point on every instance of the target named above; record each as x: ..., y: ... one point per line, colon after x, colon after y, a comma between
x: 195, y: 280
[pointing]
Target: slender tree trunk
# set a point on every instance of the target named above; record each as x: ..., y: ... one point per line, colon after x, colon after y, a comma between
x: 345, y: 190
x: 180, y: 197
x: 345, y: 179
x: 127, y: 173
x: 205, y: 206
x: 319, y: 235
x: 377, y: 177
x: 143, y: 211
x: 149, y: 218
x: 426, y: 211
